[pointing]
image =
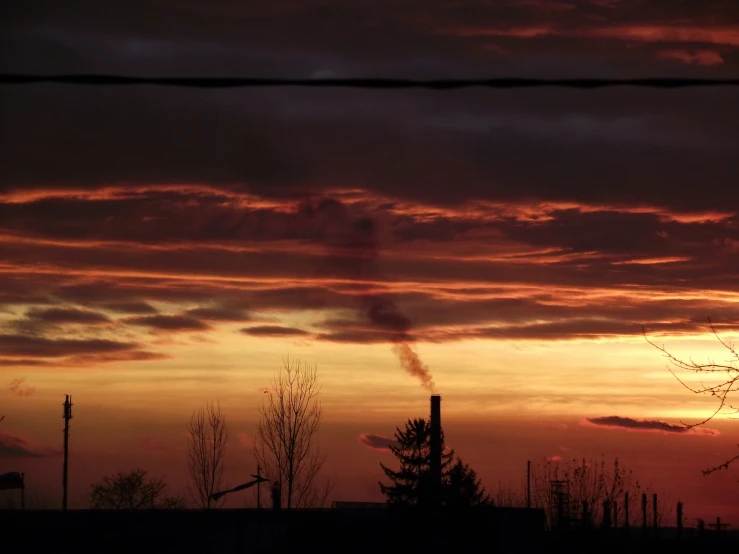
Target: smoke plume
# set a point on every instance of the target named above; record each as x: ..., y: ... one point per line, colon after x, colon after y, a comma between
x: 352, y: 246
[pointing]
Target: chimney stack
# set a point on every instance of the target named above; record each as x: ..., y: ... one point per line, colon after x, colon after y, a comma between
x: 435, y: 449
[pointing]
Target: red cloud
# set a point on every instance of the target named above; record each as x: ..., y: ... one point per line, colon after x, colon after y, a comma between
x: 152, y: 444
x: 14, y: 446
x: 700, y: 57
x: 246, y: 440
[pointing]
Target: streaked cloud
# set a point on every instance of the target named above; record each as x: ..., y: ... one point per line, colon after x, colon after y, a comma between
x: 627, y: 423
x: 14, y: 446
x: 273, y: 331
x: 376, y: 442
x: 169, y: 322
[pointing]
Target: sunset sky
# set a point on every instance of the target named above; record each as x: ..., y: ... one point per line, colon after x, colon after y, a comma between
x: 161, y: 248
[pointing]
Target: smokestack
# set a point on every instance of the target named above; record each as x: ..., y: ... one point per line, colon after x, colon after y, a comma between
x: 435, y: 449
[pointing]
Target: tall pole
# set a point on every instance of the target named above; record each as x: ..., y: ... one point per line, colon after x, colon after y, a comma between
x: 67, y: 416
x: 528, y: 484
x: 259, y: 487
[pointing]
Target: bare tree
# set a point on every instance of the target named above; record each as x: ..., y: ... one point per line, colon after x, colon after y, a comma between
x: 132, y: 490
x: 590, y: 482
x: 286, y: 444
x: 509, y: 496
x: 724, y: 382
x: 206, y: 445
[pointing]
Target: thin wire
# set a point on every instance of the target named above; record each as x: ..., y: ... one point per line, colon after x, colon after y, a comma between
x: 370, y: 83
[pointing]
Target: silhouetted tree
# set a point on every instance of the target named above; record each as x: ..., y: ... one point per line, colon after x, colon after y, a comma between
x: 132, y: 490
x: 461, y: 487
x: 410, y: 485
x: 286, y: 444
x: 206, y: 443
x: 725, y: 379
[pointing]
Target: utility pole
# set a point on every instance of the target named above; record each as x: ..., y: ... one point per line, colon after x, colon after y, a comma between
x: 528, y: 484
x: 67, y: 416
x: 258, y: 482
x: 259, y: 487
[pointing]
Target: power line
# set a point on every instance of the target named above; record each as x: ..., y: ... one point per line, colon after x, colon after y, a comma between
x: 368, y: 83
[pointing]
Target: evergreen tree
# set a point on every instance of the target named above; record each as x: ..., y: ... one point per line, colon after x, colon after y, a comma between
x: 461, y: 487
x: 410, y: 485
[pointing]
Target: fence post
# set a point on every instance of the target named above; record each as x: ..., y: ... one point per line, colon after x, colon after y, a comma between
x: 626, y: 510
x: 276, y: 496
x: 606, y: 514
x: 644, y: 511
x: 615, y: 514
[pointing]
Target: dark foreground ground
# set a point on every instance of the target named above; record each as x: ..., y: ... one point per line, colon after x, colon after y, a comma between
x: 246, y: 531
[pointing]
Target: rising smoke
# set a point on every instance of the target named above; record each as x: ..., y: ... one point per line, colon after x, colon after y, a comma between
x: 352, y: 251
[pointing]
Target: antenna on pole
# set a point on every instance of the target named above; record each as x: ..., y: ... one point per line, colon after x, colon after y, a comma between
x: 67, y: 416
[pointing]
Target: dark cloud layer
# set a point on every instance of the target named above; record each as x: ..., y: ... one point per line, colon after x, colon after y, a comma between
x: 66, y: 316
x: 386, y: 217
x: 20, y: 345
x: 219, y: 313
x: 169, y: 322
x: 273, y: 331
x: 648, y: 425
x: 468, y: 145
x: 131, y: 307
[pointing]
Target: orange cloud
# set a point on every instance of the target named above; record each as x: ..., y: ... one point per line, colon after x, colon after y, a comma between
x: 17, y: 388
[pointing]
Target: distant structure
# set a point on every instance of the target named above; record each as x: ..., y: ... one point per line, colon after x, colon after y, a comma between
x: 435, y: 449
x: 14, y: 480
x: 67, y: 416
x: 559, y: 504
